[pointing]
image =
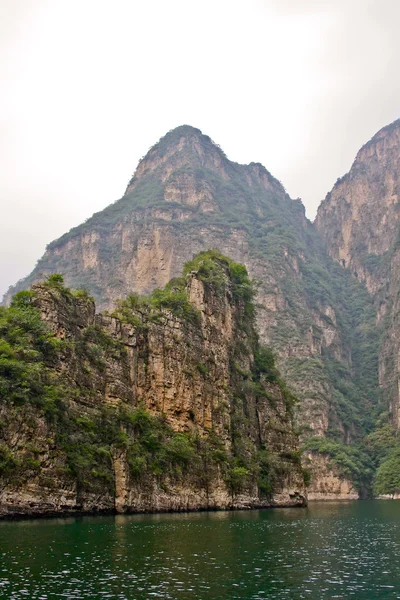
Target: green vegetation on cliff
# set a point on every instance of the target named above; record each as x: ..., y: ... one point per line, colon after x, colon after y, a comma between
x: 217, y: 270
x: 372, y: 463
x: 27, y: 351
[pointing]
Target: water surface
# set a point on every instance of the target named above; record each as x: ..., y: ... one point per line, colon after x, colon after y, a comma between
x: 329, y: 550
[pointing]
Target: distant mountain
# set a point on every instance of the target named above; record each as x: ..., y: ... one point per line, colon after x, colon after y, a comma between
x: 186, y: 197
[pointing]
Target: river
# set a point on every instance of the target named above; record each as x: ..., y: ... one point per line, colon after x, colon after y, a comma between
x: 328, y: 550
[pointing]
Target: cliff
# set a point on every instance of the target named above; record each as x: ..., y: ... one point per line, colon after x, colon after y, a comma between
x: 169, y: 403
x: 329, y: 482
x: 359, y: 220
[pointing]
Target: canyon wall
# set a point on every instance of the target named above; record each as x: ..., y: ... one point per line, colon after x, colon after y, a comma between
x: 359, y: 221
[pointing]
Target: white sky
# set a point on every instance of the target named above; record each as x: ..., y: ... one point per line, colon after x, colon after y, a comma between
x: 87, y: 86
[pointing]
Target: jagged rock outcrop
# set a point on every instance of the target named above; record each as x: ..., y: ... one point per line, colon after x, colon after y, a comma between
x: 359, y: 220
x: 185, y: 197
x: 168, y: 404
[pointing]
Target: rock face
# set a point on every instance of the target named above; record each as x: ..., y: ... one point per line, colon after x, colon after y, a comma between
x: 328, y: 482
x: 359, y: 220
x: 152, y: 409
x: 185, y: 197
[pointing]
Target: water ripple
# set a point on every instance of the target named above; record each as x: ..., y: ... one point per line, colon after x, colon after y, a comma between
x: 331, y: 550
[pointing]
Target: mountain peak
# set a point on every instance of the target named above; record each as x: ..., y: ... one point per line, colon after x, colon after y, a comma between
x: 183, y: 130
x: 381, y: 143
x: 360, y: 215
x: 387, y: 129
x: 183, y: 145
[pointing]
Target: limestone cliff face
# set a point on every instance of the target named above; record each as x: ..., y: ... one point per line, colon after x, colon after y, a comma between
x: 359, y: 220
x: 328, y: 482
x: 98, y: 449
x: 185, y: 197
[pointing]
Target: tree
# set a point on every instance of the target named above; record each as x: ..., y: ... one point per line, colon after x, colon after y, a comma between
x: 387, y: 479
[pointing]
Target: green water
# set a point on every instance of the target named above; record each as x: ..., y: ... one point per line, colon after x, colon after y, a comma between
x: 330, y: 550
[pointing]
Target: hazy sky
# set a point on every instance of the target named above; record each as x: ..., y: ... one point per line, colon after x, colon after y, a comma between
x: 87, y: 86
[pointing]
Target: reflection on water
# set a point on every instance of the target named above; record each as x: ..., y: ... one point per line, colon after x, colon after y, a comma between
x: 330, y: 550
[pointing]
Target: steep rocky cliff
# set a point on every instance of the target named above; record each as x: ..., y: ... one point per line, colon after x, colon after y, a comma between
x: 359, y: 220
x: 185, y: 197
x: 169, y: 403
x: 328, y: 482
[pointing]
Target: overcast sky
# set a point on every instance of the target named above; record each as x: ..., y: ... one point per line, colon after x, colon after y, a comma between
x: 87, y: 86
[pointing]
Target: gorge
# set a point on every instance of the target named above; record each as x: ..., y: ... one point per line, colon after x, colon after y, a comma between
x: 325, y: 301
